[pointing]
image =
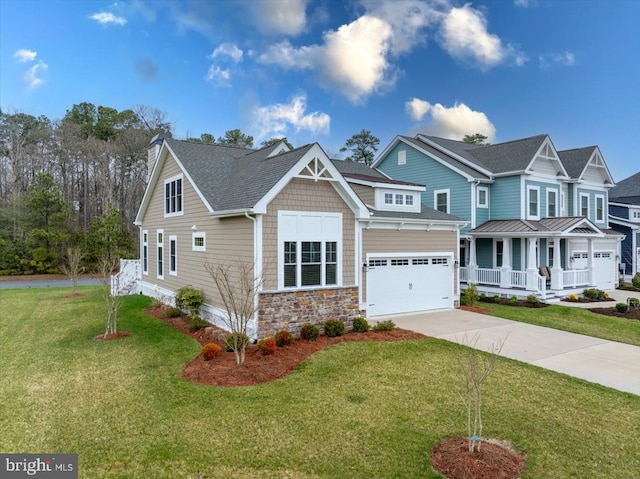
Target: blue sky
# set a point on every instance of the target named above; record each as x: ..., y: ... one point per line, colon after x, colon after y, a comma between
x: 320, y: 70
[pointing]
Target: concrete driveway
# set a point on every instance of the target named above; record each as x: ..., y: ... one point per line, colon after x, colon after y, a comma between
x: 612, y: 364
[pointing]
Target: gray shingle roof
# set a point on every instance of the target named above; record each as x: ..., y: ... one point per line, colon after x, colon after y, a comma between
x: 576, y: 160
x: 626, y: 191
x: 499, y: 158
x: 232, y: 178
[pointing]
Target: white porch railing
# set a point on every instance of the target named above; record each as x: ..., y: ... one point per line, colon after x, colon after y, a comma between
x: 576, y: 277
x: 519, y: 279
x: 463, y: 274
x: 126, y: 281
x: 488, y: 276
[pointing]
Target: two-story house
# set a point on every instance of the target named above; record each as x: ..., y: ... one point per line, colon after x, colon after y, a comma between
x: 322, y: 238
x: 624, y: 217
x: 537, y: 217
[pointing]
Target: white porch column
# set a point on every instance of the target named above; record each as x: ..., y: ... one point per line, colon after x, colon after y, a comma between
x: 472, y: 261
x: 532, y: 269
x: 556, y: 271
x: 590, y: 262
x: 505, y: 269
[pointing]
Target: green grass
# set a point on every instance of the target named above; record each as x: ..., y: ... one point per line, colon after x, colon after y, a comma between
x: 356, y: 410
x: 574, y: 320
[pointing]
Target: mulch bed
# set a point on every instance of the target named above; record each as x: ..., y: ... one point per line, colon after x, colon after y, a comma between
x: 587, y: 300
x: 451, y: 457
x: 632, y: 313
x: 518, y: 304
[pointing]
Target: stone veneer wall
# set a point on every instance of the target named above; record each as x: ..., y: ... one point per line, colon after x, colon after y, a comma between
x: 290, y: 310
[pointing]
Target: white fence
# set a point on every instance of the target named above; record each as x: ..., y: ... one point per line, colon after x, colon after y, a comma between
x: 576, y: 277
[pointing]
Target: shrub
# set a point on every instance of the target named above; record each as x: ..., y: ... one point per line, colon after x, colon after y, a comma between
x: 360, y: 325
x: 622, y: 307
x: 386, y: 325
x: 496, y: 298
x: 229, y: 341
x: 470, y: 295
x: 196, y: 323
x: 190, y: 300
x: 333, y: 327
x: 267, y: 346
x: 572, y: 297
x: 482, y: 296
x: 309, y: 332
x: 592, y: 293
x: 172, y: 312
x: 283, y: 338
x: 532, y: 299
x: 635, y: 281
x: 634, y: 302
x: 513, y: 301
x: 210, y: 351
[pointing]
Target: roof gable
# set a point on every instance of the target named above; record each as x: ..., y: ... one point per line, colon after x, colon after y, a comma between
x: 586, y: 164
x: 546, y: 161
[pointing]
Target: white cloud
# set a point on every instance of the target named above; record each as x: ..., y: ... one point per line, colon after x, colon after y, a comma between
x: 32, y: 76
x: 229, y: 50
x: 218, y: 76
x: 274, y: 120
x: 525, y: 3
x: 454, y: 122
x: 23, y: 55
x: 286, y: 17
x: 465, y: 36
x: 417, y: 108
x: 566, y: 59
x: 106, y: 18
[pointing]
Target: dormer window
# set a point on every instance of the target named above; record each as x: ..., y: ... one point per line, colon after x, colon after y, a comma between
x: 397, y: 200
x: 388, y: 198
x: 408, y: 199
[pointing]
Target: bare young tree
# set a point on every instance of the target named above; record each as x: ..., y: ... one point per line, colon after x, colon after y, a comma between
x: 107, y: 266
x: 476, y: 367
x: 71, y: 266
x: 238, y: 288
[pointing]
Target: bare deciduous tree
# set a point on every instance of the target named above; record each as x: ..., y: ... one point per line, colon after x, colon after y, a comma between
x: 71, y: 266
x: 107, y: 266
x: 238, y: 287
x: 476, y: 367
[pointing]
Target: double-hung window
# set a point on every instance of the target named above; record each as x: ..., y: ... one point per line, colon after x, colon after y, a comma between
x: 173, y: 255
x: 599, y: 208
x: 441, y: 200
x: 552, y: 203
x: 173, y: 196
x: 533, y: 203
x: 145, y: 252
x: 483, y: 197
x: 584, y: 205
x: 160, y: 249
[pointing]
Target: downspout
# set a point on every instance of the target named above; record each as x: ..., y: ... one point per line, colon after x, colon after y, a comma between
x: 256, y: 277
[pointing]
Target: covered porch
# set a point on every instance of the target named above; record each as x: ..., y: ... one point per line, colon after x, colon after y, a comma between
x: 553, y: 257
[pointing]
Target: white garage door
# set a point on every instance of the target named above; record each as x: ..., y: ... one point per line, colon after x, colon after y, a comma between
x: 604, y: 264
x: 405, y: 284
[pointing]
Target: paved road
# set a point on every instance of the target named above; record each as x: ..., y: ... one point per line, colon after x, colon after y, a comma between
x: 612, y: 364
x: 47, y: 283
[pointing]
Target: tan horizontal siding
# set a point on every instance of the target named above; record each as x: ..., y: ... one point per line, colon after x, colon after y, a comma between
x: 307, y: 195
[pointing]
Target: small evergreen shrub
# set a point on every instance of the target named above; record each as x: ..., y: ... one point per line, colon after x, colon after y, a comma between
x: 386, y: 325
x: 532, y: 299
x: 333, y: 327
x: 196, y: 323
x: 309, y: 332
x: 229, y: 341
x: 496, y: 298
x: 634, y: 302
x: 283, y: 338
x: 513, y: 301
x: 267, y: 346
x: 189, y: 299
x: 635, y: 281
x: 592, y: 293
x: 470, y: 295
x: 482, y: 296
x: 210, y: 351
x: 360, y: 325
x: 172, y: 312
x: 622, y: 307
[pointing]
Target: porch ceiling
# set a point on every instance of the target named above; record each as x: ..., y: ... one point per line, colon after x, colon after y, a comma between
x: 565, y: 226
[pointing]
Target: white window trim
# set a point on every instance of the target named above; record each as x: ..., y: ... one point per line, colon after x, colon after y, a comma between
x: 173, y: 239
x: 486, y: 197
x: 495, y: 252
x: 381, y: 204
x: 303, y: 235
x: 587, y: 196
x: 164, y: 197
x: 435, y: 199
x: 555, y: 192
x: 160, y: 258
x: 595, y: 207
x: 528, y: 199
x: 145, y: 233
x: 402, y: 157
x: 198, y: 234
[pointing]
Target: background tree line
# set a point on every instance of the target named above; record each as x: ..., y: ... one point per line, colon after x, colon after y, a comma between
x: 78, y: 182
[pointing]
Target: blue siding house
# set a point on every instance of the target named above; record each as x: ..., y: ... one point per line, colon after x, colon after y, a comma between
x: 537, y: 218
x: 624, y: 217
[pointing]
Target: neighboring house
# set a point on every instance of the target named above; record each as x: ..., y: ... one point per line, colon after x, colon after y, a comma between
x: 537, y: 217
x: 624, y: 217
x: 323, y: 238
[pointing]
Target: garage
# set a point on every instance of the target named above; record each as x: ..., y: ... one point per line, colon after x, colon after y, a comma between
x: 404, y: 284
x: 604, y: 266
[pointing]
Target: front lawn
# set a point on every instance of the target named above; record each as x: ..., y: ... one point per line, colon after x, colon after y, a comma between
x: 356, y: 410
x: 574, y: 320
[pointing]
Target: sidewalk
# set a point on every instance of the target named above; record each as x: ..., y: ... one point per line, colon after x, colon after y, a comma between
x: 612, y: 364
